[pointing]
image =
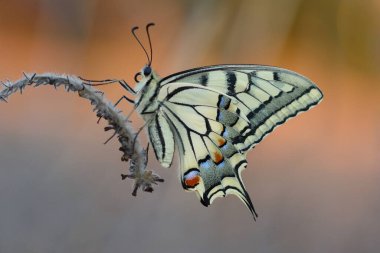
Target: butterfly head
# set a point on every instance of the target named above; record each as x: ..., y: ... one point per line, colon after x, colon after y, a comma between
x: 145, y: 77
x: 146, y: 72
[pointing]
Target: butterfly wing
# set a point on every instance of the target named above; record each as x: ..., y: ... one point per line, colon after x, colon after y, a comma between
x: 267, y: 96
x: 217, y: 113
x: 162, y: 139
x: 206, y: 125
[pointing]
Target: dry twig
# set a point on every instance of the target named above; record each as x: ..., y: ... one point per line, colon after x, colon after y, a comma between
x: 131, y: 148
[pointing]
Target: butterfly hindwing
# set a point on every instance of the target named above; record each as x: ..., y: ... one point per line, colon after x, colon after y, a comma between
x: 202, y: 120
x: 162, y: 140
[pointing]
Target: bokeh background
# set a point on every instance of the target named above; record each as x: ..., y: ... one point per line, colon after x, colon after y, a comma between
x: 314, y: 181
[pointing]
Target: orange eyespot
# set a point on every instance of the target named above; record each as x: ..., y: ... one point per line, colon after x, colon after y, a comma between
x: 221, y: 142
x: 192, y: 181
x: 218, y: 157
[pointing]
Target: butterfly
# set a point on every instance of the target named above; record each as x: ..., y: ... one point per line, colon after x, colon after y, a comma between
x: 214, y: 115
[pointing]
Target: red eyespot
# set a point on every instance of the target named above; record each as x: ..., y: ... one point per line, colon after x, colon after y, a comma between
x: 191, y: 179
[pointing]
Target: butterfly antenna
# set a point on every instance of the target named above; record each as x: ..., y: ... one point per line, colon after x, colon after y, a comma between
x: 134, y: 34
x: 150, y: 42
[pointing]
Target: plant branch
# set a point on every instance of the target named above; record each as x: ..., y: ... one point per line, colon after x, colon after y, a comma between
x: 130, y: 147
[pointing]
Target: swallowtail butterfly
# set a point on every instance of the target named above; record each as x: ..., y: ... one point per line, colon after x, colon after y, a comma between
x: 214, y: 115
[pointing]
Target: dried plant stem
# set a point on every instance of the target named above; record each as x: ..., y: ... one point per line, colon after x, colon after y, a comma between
x: 130, y: 146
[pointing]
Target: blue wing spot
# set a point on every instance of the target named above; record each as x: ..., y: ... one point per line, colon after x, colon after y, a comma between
x: 220, y: 116
x: 224, y: 102
x: 224, y: 148
x: 191, y: 174
x: 221, y: 165
x: 206, y: 164
x: 226, y: 133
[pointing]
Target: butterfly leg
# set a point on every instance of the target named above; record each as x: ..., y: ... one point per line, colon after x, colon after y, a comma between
x: 110, y: 81
x: 126, y: 98
x: 138, y: 132
x: 122, y: 83
x: 120, y: 99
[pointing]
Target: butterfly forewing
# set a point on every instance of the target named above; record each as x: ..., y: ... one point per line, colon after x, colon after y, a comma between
x: 266, y: 95
x: 207, y: 124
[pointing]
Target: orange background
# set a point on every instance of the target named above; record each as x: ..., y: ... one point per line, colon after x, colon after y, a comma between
x: 314, y: 181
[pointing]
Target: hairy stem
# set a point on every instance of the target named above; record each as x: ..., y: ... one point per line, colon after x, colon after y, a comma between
x: 130, y: 147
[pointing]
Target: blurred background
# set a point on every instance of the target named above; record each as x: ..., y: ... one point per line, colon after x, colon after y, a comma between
x: 314, y: 181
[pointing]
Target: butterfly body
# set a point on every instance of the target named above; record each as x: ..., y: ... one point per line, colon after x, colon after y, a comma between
x: 214, y: 115
x: 147, y: 89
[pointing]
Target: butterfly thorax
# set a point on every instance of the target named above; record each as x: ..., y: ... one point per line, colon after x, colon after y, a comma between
x: 146, y: 103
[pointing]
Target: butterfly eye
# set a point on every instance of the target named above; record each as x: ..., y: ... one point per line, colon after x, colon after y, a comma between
x: 147, y: 70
